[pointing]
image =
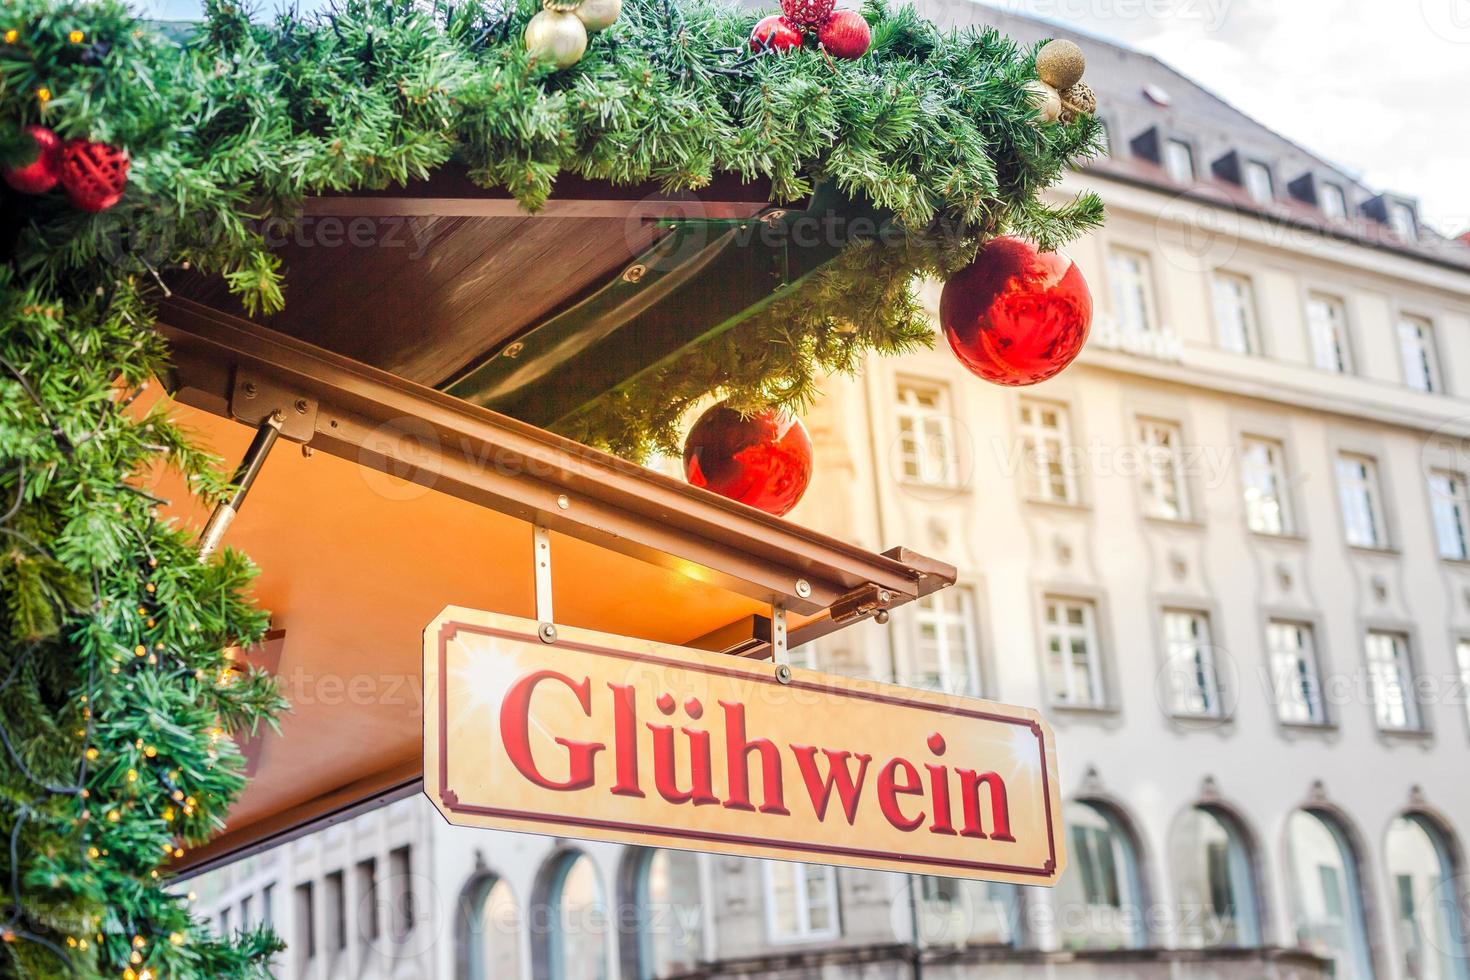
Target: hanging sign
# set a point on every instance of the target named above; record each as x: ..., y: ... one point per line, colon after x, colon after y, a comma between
x: 611, y: 738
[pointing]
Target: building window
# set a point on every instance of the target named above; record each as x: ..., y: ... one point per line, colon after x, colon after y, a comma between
x: 1073, y: 654
x: 1179, y: 161
x: 267, y: 906
x: 1391, y: 681
x: 946, y: 650
x: 304, y: 938
x: 1194, y: 679
x: 367, y: 900
x: 801, y: 902
x: 1235, y: 314
x: 1326, y: 898
x: 1216, y: 883
x: 1165, y: 493
x: 926, y: 442
x: 1294, y: 674
x: 1327, y: 321
x: 1451, y: 506
x: 955, y: 913
x: 400, y: 895
x: 336, y: 914
x: 224, y: 922
x: 1462, y: 654
x: 491, y: 929
x: 1045, y: 443
x: 671, y: 919
x: 1421, y: 359
x: 1131, y: 274
x: 1263, y: 471
x: 1362, y: 502
x: 574, y: 947
x: 1258, y: 182
x: 1426, y: 900
x: 1333, y: 200
x: 247, y: 913
x: 1101, y: 883
x: 1402, y: 220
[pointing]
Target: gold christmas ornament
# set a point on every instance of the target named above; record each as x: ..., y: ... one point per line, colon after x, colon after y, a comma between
x: 1079, y: 100
x: 1045, y: 100
x: 598, y: 15
x: 556, y: 37
x: 1060, y: 64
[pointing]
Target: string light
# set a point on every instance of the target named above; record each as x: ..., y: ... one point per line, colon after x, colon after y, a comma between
x: 11, y: 36
x: 76, y: 37
x: 43, y: 95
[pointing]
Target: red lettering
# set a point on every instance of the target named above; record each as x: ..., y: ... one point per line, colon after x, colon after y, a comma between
x: 701, y: 791
x: 848, y: 790
x: 1000, y: 811
x: 737, y: 761
x: 939, y: 788
x: 888, y: 791
x: 515, y: 724
x: 625, y: 740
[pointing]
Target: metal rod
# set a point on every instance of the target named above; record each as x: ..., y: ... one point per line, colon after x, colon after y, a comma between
x: 244, y: 478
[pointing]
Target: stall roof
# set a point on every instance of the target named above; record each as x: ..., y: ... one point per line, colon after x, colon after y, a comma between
x: 537, y: 315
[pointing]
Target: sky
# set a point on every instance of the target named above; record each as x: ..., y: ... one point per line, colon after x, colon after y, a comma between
x: 1379, y: 87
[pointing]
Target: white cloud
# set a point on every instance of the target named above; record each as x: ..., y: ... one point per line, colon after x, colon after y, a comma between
x: 1377, y: 86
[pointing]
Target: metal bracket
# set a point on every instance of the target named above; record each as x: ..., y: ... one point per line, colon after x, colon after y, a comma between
x: 541, y: 558
x: 779, y: 653
x: 254, y: 399
x: 860, y: 602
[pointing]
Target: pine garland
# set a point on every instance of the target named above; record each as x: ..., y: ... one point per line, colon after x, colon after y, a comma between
x: 116, y: 700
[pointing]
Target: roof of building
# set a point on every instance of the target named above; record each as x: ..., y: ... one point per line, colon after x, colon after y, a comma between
x: 1145, y: 103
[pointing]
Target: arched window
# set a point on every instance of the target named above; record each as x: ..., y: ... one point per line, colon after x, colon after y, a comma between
x: 490, y: 930
x: 955, y: 912
x: 1326, y: 893
x: 1100, y: 894
x: 1427, y: 907
x: 570, y: 926
x: 1214, y: 873
x: 670, y: 913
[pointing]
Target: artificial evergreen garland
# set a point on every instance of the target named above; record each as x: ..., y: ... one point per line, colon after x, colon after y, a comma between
x: 115, y: 697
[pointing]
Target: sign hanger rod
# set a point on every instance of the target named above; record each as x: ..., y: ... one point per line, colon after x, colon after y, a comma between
x: 541, y: 557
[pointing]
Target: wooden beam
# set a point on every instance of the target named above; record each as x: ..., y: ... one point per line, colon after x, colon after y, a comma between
x: 384, y: 422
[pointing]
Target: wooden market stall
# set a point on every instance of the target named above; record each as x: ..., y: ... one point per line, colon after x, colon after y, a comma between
x: 407, y: 493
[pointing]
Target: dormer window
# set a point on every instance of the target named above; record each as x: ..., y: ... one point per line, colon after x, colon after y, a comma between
x: 1179, y: 161
x: 1258, y: 182
x: 1333, y: 201
x: 1402, y: 220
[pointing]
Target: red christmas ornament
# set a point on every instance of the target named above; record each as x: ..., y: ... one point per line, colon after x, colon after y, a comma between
x: 764, y: 461
x: 42, y: 173
x: 1016, y: 316
x: 774, y: 33
x: 94, y: 174
x: 808, y: 14
x: 846, y: 35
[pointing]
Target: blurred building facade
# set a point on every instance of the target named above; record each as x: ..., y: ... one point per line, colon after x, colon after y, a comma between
x: 1228, y: 553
